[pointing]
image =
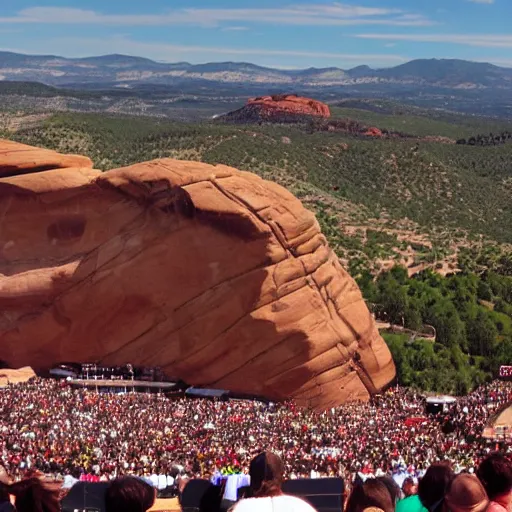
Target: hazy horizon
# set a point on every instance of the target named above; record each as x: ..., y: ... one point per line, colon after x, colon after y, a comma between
x: 278, y: 34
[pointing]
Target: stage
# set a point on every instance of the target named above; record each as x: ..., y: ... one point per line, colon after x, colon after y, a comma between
x: 166, y: 505
x: 131, y: 385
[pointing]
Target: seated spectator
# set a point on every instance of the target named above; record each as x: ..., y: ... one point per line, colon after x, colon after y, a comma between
x: 466, y: 494
x: 434, y: 486
x: 32, y: 495
x: 373, y: 493
x: 411, y: 502
x: 129, y: 494
x: 266, y: 471
x: 495, y: 473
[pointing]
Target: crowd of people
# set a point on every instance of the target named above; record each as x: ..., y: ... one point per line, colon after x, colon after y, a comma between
x: 49, y: 426
x: 439, y: 490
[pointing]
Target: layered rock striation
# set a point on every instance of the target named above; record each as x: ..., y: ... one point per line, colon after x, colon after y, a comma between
x: 218, y: 277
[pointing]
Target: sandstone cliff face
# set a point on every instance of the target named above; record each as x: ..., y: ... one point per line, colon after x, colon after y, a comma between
x: 15, y: 376
x: 220, y: 278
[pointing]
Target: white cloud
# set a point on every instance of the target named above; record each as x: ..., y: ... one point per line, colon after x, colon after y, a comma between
x: 481, y: 40
x: 84, y: 47
x: 235, y: 29
x: 488, y: 2
x: 301, y: 14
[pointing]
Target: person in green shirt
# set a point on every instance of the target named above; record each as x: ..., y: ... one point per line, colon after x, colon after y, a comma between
x: 411, y: 502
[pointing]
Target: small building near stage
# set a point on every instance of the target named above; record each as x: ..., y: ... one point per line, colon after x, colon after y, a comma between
x: 439, y: 403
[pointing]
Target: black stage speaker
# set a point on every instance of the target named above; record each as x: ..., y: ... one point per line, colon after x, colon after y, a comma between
x: 201, y: 496
x: 85, y: 496
x: 323, y: 494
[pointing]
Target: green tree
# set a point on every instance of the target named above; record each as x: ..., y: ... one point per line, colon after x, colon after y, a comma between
x: 484, y: 291
x: 393, y: 299
x: 450, y: 329
x: 413, y: 318
x: 482, y: 334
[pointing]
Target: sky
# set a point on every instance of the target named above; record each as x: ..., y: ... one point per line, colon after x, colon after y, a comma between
x: 275, y: 33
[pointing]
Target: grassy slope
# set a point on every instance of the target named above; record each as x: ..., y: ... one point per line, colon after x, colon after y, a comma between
x: 410, y: 124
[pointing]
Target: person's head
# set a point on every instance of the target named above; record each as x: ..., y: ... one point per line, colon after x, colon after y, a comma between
x: 129, y: 494
x: 266, y: 471
x: 466, y: 494
x: 434, y: 485
x: 409, y: 488
x: 373, y: 493
x: 32, y: 495
x: 495, y: 473
x: 392, y: 486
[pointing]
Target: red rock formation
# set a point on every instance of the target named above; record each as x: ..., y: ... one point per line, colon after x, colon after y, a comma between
x: 20, y: 159
x: 15, y: 376
x: 275, y: 106
x: 373, y: 132
x: 215, y: 275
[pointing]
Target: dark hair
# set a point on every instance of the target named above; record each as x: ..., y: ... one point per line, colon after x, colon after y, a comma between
x: 434, y: 485
x: 32, y: 495
x: 372, y: 493
x: 4, y: 495
x: 129, y: 494
x: 495, y: 473
x: 266, y: 471
x: 392, y: 486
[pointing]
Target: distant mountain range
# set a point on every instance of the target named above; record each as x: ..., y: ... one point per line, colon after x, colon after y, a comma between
x: 126, y: 71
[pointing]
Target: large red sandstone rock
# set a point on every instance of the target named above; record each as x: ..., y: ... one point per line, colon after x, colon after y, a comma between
x: 16, y: 376
x: 220, y: 278
x: 373, y: 132
x: 277, y: 106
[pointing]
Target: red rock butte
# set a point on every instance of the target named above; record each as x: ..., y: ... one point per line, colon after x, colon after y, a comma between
x: 373, y: 132
x: 218, y: 277
x: 275, y: 106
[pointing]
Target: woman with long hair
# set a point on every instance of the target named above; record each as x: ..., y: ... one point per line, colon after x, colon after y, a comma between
x: 372, y: 494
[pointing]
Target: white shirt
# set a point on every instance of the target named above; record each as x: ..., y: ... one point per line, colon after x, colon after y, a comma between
x: 162, y: 482
x: 154, y: 480
x: 69, y: 482
x: 234, y: 483
x: 282, y: 503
